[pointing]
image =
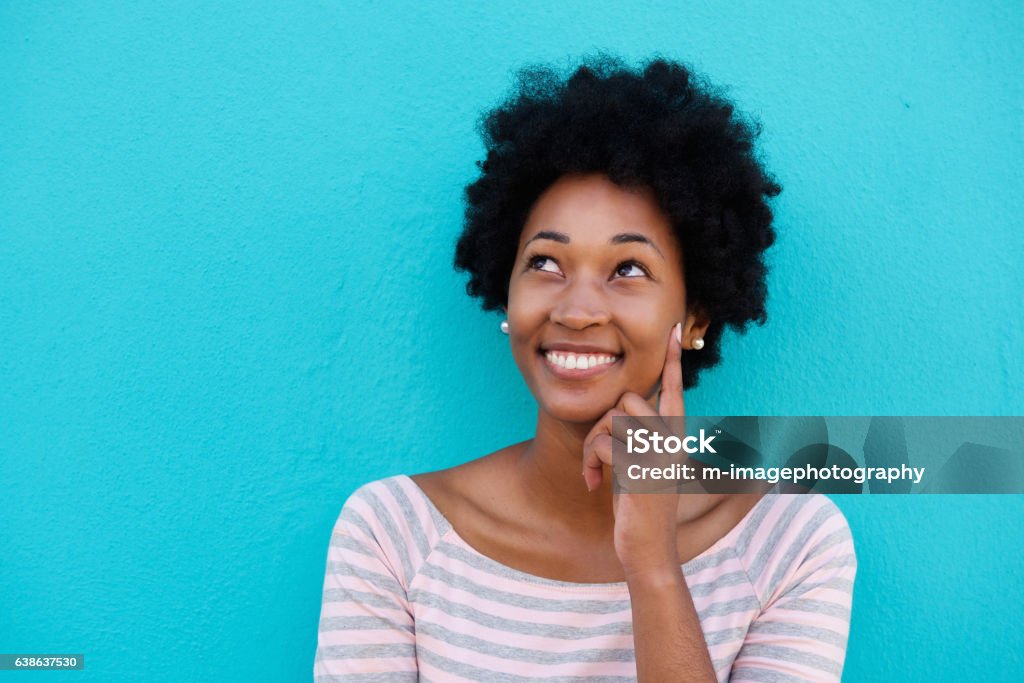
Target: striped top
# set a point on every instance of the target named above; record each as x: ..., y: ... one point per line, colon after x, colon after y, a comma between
x: 405, y: 599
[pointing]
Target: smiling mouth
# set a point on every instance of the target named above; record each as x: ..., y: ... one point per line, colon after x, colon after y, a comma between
x: 572, y: 364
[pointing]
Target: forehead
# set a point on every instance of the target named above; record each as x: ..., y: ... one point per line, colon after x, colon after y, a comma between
x: 591, y: 208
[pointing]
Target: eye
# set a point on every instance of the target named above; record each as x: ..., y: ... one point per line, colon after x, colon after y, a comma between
x: 542, y: 262
x: 631, y: 268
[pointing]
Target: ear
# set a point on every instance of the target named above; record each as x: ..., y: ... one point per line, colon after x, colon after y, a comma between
x: 696, y: 325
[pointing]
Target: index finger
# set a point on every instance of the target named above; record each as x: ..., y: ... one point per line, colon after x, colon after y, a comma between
x: 670, y: 396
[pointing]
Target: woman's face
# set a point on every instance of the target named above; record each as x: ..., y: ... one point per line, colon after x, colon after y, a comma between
x: 595, y: 290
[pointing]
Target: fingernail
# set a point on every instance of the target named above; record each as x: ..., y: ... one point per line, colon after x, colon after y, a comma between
x: 679, y: 333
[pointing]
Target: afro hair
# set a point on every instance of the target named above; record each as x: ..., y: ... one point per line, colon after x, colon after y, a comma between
x: 659, y: 127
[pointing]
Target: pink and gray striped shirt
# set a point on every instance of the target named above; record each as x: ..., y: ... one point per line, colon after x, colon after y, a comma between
x: 406, y: 599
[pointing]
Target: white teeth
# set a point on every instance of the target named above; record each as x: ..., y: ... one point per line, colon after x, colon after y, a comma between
x: 578, y: 361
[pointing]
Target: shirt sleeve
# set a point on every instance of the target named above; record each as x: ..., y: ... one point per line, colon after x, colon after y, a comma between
x: 803, y: 628
x: 366, y: 629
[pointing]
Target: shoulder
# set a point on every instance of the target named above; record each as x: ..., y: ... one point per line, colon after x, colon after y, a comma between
x: 467, y: 492
x: 392, y: 519
x: 789, y: 537
x: 394, y: 507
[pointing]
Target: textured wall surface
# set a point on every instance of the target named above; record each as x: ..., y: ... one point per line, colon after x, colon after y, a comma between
x: 226, y: 297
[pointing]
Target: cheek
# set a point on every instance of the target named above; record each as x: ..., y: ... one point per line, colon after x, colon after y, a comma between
x: 648, y: 360
x: 526, y: 308
x: 647, y: 332
x: 524, y: 320
x: 647, y: 324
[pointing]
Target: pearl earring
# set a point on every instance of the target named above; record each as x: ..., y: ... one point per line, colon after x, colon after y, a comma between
x: 504, y: 326
x: 698, y: 343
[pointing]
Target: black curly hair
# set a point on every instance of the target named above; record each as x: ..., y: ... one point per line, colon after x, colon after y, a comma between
x: 658, y: 126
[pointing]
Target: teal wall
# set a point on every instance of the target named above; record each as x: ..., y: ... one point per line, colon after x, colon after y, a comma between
x: 226, y: 297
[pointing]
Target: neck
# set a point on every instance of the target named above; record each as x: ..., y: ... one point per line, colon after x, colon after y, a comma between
x: 550, y: 469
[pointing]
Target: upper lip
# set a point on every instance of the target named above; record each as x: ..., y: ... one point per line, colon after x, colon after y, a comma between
x: 576, y: 348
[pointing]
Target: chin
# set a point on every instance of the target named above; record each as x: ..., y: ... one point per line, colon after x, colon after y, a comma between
x: 581, y: 410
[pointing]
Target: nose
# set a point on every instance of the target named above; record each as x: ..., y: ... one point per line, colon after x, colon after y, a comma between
x: 579, y: 305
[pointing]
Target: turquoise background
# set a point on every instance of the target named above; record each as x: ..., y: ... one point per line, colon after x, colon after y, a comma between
x: 226, y: 297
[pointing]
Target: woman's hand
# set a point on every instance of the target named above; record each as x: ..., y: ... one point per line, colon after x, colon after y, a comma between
x: 645, y: 523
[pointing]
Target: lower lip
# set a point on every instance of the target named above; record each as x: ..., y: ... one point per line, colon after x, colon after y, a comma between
x: 566, y: 373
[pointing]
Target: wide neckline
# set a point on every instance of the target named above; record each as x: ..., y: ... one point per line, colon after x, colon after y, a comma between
x: 688, y: 567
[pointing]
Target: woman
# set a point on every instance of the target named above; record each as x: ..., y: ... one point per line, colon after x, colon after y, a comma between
x: 620, y: 221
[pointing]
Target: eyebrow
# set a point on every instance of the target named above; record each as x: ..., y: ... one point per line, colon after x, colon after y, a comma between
x: 621, y: 238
